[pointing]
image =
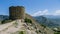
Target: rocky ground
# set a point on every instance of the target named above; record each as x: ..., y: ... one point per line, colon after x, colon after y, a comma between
x: 19, y: 27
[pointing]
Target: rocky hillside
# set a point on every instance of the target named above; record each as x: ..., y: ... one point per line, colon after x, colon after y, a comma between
x: 48, y: 22
x: 21, y: 27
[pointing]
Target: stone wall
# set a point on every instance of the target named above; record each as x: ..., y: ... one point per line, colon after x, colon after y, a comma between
x: 16, y: 12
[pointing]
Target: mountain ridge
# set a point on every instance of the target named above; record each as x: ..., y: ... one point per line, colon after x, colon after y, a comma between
x: 46, y: 21
x: 35, y: 25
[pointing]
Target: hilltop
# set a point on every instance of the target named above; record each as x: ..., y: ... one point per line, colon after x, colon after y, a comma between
x: 18, y: 26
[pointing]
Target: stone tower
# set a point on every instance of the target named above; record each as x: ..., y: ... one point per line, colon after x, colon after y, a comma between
x: 16, y: 12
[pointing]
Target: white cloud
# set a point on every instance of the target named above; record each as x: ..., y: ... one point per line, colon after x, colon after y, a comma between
x: 57, y: 12
x: 46, y: 12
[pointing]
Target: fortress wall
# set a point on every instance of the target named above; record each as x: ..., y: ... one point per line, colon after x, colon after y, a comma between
x: 17, y: 12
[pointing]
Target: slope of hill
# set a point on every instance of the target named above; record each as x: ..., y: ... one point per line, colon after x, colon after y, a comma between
x: 20, y: 27
x: 55, y: 19
x: 46, y: 21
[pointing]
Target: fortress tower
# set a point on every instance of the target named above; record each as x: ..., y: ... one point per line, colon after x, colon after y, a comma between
x: 16, y: 12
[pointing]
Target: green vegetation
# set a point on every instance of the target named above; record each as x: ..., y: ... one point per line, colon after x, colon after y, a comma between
x: 43, y: 25
x: 5, y: 21
x: 28, y: 20
x: 21, y: 32
x: 57, y: 33
x: 39, y: 31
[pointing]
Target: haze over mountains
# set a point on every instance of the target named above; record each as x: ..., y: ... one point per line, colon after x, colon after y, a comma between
x: 2, y: 17
x: 51, y: 17
x: 49, y: 20
x: 55, y: 19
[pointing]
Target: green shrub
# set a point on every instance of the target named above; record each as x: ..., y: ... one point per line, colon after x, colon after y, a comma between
x: 43, y: 25
x: 39, y: 30
x: 21, y: 32
x: 57, y: 33
x: 28, y: 20
x: 5, y: 21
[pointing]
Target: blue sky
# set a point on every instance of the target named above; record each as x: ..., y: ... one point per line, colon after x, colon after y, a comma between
x: 33, y: 7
